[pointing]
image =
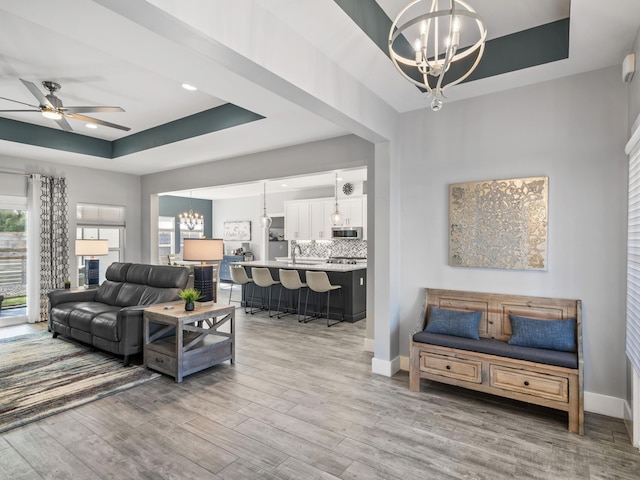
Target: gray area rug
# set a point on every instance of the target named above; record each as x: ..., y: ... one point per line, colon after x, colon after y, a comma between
x: 42, y: 376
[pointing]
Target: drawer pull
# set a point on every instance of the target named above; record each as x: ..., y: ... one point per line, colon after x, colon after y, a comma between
x: 526, y: 383
x: 448, y: 367
x: 159, y: 360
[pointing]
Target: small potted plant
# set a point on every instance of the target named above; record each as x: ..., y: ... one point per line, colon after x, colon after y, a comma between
x: 67, y: 284
x: 190, y: 295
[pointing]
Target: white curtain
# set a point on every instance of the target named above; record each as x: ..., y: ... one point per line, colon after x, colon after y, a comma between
x: 33, y: 248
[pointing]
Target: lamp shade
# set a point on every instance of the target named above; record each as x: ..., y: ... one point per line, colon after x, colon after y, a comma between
x: 202, y: 249
x: 92, y: 247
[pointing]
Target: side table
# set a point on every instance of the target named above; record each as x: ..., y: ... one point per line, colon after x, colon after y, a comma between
x: 178, y: 343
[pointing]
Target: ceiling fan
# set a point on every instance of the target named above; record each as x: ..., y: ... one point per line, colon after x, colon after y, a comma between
x: 51, y: 107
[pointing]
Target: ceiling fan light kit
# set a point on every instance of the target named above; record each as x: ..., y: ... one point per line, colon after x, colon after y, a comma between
x: 442, y: 32
x: 51, y: 107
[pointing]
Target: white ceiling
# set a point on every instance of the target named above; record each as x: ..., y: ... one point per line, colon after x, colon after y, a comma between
x: 103, y: 54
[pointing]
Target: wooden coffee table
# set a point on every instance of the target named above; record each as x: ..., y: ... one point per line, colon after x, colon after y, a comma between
x: 178, y: 343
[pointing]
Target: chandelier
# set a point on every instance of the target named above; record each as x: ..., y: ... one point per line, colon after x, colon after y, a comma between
x: 437, y: 28
x: 190, y: 219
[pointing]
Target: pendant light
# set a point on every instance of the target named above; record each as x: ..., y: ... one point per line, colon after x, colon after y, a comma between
x: 336, y: 217
x: 265, y: 220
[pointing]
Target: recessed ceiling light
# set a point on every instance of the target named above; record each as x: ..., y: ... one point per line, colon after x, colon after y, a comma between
x: 191, y: 88
x: 339, y: 178
x: 284, y: 185
x: 91, y: 125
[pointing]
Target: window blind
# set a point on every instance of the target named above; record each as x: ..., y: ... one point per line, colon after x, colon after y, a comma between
x: 100, y: 215
x: 633, y: 262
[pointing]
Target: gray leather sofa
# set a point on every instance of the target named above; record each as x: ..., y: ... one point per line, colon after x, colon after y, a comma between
x: 110, y: 317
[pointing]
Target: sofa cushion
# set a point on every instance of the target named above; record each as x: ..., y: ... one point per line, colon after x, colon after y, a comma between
x: 105, y: 326
x: 550, y: 334
x: 492, y: 346
x: 81, y: 314
x: 454, y: 322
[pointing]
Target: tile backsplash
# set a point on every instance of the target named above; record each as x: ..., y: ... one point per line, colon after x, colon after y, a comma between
x: 333, y: 248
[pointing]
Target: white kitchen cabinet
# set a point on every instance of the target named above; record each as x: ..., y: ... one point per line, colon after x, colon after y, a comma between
x: 297, y: 221
x: 320, y: 211
x: 352, y: 212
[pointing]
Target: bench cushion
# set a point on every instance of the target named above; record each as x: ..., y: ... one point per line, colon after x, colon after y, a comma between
x: 454, y: 322
x: 550, y: 334
x: 502, y: 349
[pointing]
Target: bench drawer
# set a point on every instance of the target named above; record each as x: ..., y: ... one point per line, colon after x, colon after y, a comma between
x: 458, y: 368
x: 530, y: 383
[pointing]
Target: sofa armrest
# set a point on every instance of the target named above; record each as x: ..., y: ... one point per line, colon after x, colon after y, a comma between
x: 57, y: 297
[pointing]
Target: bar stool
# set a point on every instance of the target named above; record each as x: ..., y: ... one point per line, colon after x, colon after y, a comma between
x: 239, y: 277
x: 318, y: 282
x: 262, y: 278
x: 290, y: 281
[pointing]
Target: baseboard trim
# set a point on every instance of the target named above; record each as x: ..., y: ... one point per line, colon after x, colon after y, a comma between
x: 593, y: 402
x: 368, y: 345
x: 604, y: 405
x: 385, y: 367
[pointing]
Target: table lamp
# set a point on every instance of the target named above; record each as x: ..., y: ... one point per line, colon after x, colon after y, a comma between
x: 203, y: 250
x: 92, y: 248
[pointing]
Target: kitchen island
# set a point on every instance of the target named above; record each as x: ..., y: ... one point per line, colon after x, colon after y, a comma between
x: 352, y: 279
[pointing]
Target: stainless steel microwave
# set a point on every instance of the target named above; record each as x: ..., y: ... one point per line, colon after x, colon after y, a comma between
x: 351, y: 233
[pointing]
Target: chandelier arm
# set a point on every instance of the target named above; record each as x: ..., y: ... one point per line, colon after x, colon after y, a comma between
x: 475, y: 64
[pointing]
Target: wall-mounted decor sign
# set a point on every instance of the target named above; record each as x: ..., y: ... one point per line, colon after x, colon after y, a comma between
x: 499, y: 224
x: 237, y: 231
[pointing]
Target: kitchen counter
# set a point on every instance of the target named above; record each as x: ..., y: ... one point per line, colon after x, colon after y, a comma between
x: 352, y: 279
x: 300, y: 265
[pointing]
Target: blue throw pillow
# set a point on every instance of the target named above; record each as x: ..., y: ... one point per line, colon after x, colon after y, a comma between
x: 550, y: 334
x: 454, y: 322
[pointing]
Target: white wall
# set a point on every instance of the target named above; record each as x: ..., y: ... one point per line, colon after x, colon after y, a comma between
x: 87, y: 185
x: 326, y: 155
x: 573, y: 131
x: 250, y: 208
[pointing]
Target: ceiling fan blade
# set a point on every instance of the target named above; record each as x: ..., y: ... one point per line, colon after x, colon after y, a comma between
x: 91, y: 109
x: 7, y: 111
x: 22, y: 103
x: 38, y: 94
x: 62, y: 122
x: 84, y: 118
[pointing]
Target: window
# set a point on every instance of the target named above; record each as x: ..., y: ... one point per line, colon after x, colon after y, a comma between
x: 166, y: 238
x: 13, y: 255
x: 104, y: 222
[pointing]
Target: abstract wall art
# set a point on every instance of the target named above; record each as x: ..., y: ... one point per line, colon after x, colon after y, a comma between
x: 499, y: 224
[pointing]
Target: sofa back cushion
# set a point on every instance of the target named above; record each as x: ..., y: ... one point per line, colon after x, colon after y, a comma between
x: 129, y: 284
x: 117, y: 271
x: 153, y: 295
x: 108, y: 292
x: 129, y: 295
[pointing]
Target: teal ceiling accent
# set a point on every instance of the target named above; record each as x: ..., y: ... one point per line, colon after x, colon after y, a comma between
x: 21, y: 132
x: 528, y: 48
x: 212, y: 120
x: 208, y: 121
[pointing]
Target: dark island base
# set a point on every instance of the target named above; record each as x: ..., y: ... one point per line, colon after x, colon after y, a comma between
x: 354, y: 296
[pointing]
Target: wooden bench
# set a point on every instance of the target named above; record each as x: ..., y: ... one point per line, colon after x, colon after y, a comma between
x: 490, y: 364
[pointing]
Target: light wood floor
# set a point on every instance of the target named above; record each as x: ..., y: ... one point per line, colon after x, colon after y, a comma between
x: 301, y: 403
